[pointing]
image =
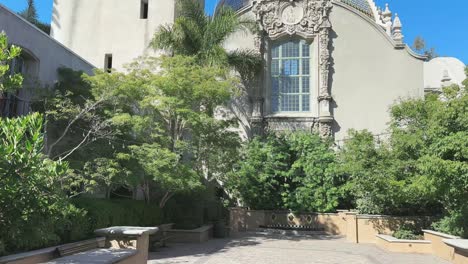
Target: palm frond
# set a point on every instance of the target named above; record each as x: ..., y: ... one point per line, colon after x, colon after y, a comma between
x: 193, y: 10
x: 246, y: 62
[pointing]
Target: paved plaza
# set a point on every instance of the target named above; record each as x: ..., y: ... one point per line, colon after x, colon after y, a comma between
x: 259, y: 248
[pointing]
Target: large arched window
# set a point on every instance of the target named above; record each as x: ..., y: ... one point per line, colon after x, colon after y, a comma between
x: 290, y: 76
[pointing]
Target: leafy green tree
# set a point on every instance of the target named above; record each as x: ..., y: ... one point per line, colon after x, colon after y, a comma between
x: 162, y: 117
x: 196, y: 34
x: 260, y: 176
x: 32, y: 201
x: 296, y: 171
x: 8, y: 53
x: 422, y: 167
x: 314, y: 183
x: 30, y: 14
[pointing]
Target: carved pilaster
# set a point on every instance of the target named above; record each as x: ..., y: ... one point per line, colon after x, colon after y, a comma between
x: 257, y: 122
x: 308, y: 19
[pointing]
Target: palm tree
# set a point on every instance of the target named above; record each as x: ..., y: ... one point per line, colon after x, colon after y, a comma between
x: 30, y: 14
x: 196, y: 34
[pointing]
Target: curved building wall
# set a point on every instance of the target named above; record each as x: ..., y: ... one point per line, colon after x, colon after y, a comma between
x: 368, y: 74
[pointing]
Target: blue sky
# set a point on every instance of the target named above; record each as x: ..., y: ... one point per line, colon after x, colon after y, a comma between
x: 443, y: 24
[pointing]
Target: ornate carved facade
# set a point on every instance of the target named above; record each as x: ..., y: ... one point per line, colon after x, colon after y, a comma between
x: 309, y: 20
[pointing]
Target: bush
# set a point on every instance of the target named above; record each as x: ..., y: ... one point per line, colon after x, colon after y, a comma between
x: 32, y: 203
x: 296, y: 171
x: 192, y: 210
x: 406, y: 234
x: 454, y: 224
x: 103, y: 213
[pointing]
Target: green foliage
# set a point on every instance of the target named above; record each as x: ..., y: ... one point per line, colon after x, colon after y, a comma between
x: 406, y: 234
x: 196, y: 34
x: 454, y: 223
x: 32, y: 203
x: 422, y: 168
x: 104, y: 213
x: 294, y: 171
x: 165, y: 122
x: 8, y: 53
x: 30, y: 14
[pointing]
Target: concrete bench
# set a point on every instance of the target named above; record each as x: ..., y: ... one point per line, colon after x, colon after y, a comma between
x: 160, y: 238
x: 123, y: 245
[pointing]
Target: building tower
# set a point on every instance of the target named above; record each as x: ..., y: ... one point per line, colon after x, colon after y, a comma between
x: 110, y: 33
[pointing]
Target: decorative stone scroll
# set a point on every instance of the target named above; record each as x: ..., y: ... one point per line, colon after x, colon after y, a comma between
x: 308, y: 19
x: 304, y: 18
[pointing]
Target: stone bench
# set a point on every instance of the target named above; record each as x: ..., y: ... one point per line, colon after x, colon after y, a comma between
x: 160, y: 238
x: 123, y: 245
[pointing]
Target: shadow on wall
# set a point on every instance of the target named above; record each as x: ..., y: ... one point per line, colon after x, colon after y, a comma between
x: 386, y: 225
x: 334, y: 105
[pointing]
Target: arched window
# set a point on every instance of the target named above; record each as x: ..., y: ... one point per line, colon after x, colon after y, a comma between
x: 290, y: 76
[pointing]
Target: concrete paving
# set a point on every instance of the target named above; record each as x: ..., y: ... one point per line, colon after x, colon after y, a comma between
x: 267, y: 248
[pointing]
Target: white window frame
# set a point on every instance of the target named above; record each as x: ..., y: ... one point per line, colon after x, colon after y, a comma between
x: 300, y: 75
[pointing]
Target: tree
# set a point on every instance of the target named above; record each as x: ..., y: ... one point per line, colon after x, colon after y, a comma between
x: 196, y: 34
x: 8, y: 81
x: 32, y: 201
x: 296, y: 171
x: 419, y: 45
x: 161, y: 119
x: 422, y: 167
x: 30, y: 14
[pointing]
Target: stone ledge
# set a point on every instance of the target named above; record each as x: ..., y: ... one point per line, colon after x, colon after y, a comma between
x: 126, y: 231
x: 45, y: 252
x: 196, y: 230
x: 392, y: 239
x: 435, y: 233
x: 460, y: 244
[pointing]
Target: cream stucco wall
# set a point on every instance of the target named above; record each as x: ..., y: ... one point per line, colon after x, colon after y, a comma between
x: 368, y: 74
x: 44, y: 55
x: 94, y: 28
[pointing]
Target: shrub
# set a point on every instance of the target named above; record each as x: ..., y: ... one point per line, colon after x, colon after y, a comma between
x: 406, y: 234
x: 294, y: 171
x: 103, y: 213
x: 32, y: 203
x: 454, y: 223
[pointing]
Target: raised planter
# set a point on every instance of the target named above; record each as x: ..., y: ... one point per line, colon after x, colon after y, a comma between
x: 403, y: 245
x: 439, y: 248
x: 197, y: 235
x: 460, y: 247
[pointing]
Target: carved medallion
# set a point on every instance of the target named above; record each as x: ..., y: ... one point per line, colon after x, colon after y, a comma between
x: 292, y: 14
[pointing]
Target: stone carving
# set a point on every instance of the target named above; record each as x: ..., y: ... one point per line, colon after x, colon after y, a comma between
x: 324, y: 61
x: 281, y: 124
x: 295, y: 17
x: 292, y: 14
x: 308, y: 19
x: 325, y: 129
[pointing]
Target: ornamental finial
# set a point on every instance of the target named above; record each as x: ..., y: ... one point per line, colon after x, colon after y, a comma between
x: 397, y: 33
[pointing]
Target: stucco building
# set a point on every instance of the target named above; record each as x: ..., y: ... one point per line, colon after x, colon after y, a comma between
x: 40, y: 58
x: 329, y: 65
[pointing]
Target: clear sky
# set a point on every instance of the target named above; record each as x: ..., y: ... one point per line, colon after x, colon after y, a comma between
x: 443, y: 24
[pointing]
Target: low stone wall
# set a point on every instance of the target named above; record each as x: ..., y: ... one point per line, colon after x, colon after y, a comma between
x: 404, y: 246
x: 31, y: 257
x: 447, y: 251
x: 198, y: 235
x: 356, y: 228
